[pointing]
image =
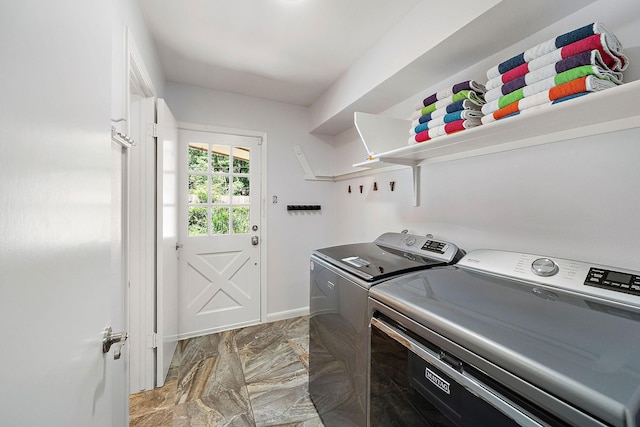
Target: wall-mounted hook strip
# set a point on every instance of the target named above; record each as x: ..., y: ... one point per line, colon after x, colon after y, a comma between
x: 304, y: 207
x: 121, y: 138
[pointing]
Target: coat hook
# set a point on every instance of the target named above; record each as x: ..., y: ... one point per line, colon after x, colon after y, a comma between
x: 375, y: 186
x: 361, y: 187
x: 349, y: 190
x: 392, y: 184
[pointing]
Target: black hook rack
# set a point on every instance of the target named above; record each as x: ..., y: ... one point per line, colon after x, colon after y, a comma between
x: 304, y: 207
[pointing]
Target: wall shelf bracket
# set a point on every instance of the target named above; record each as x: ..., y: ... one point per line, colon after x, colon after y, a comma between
x: 415, y: 171
x: 309, y: 174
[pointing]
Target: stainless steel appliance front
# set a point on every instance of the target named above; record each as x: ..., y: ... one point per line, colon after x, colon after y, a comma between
x: 341, y: 277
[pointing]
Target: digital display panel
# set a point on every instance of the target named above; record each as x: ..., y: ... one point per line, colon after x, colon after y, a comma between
x: 614, y: 276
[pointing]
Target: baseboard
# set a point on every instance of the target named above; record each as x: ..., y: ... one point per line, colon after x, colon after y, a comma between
x: 283, y: 315
x: 194, y: 334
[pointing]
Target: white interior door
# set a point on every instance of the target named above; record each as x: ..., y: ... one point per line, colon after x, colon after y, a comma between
x: 55, y: 215
x: 220, y: 231
x: 142, y: 255
x: 167, y: 241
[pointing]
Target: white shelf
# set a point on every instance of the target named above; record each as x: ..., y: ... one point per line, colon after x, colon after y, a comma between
x: 611, y: 110
x: 460, y: 45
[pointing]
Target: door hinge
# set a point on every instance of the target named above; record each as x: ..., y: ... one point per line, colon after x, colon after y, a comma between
x: 153, y: 340
x: 152, y: 130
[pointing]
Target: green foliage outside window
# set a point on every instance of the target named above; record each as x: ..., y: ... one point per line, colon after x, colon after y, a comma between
x: 197, y: 221
x: 241, y: 219
x: 220, y: 220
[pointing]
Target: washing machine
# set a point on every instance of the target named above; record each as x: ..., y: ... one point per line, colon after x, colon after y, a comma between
x: 341, y: 277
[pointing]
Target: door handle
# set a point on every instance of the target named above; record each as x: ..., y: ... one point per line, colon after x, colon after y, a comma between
x: 254, y: 240
x: 110, y: 338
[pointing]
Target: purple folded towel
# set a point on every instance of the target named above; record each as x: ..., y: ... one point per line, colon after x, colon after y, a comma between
x: 478, y: 88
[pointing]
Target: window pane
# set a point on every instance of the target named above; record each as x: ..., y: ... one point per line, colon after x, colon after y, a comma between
x: 219, y: 189
x: 241, y: 160
x: 198, y: 189
x: 240, y: 219
x: 220, y: 158
x: 220, y: 220
x: 198, y: 157
x: 197, y: 221
x: 241, y: 191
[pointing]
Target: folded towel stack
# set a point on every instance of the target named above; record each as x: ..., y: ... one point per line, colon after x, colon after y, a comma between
x: 447, y: 111
x: 585, y: 60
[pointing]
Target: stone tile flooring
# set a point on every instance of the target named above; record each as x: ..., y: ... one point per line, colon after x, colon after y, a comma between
x: 253, y: 376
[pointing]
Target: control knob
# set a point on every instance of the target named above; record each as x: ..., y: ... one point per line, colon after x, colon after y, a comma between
x: 544, y: 267
x: 409, y: 240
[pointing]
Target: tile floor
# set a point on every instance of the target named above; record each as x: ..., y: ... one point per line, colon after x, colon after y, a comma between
x: 253, y: 376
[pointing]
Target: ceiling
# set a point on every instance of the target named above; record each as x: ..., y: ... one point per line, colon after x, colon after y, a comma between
x: 284, y: 50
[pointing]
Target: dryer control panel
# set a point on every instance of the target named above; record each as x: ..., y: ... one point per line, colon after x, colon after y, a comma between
x: 613, y: 280
x: 599, y: 281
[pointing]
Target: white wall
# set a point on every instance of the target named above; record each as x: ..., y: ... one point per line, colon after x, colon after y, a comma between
x: 291, y: 236
x: 574, y: 199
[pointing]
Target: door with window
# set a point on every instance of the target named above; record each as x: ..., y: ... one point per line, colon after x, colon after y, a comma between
x: 220, y: 232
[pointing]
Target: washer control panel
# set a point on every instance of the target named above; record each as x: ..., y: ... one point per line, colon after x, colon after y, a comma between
x: 421, y: 246
x: 435, y: 246
x: 614, y: 280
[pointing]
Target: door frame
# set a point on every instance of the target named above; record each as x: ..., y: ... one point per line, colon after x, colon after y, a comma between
x: 120, y: 266
x: 264, y: 237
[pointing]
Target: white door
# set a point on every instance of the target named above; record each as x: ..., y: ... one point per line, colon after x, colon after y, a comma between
x: 55, y: 215
x: 142, y: 254
x: 167, y: 241
x: 220, y: 231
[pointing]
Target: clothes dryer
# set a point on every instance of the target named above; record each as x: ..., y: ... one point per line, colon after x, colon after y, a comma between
x: 507, y: 339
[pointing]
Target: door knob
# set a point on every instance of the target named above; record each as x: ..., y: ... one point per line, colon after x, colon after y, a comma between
x: 254, y: 240
x: 110, y: 338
